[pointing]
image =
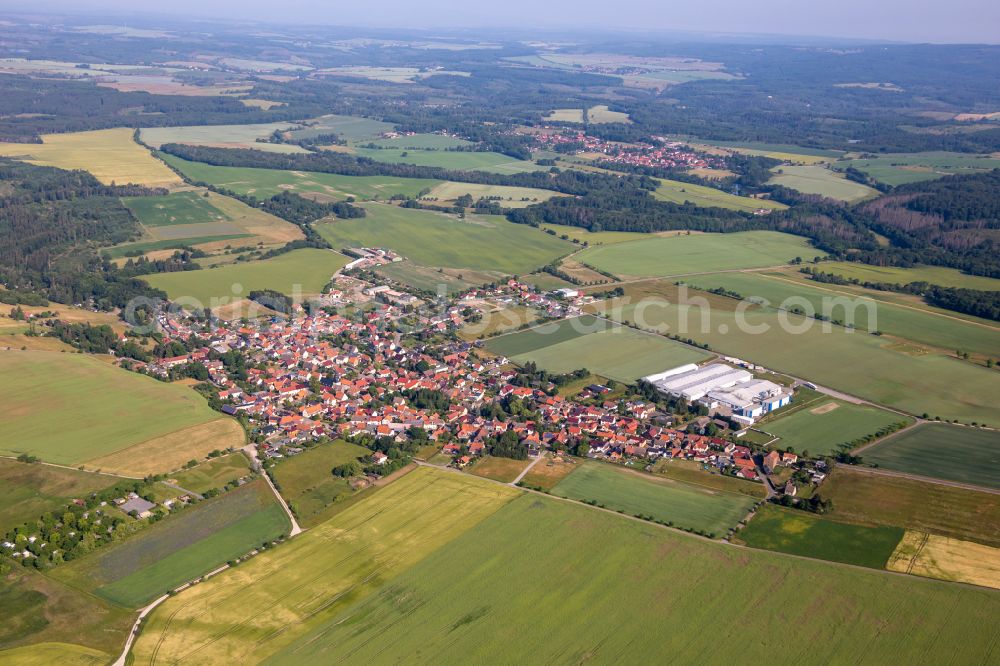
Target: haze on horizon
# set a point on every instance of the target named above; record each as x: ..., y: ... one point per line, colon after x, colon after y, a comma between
x: 975, y: 21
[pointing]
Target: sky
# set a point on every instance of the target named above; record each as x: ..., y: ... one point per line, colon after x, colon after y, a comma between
x: 891, y: 20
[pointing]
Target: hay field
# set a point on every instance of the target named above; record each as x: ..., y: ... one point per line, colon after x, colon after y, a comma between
x: 478, y: 242
x: 46, y: 395
x: 822, y: 181
x: 295, y: 273
x: 110, y: 155
x: 944, y: 558
x: 916, y: 383
x: 222, y: 136
x: 953, y: 453
x: 679, y: 192
x: 265, y: 183
x: 601, y: 114
x: 264, y: 605
x: 505, y: 195
x: 659, y: 256
x: 565, y: 116
x: 675, y: 502
x: 518, y: 588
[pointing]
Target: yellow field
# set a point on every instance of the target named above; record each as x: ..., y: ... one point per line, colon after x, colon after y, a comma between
x: 565, y: 116
x: 110, y: 155
x: 248, y: 613
x: 945, y: 558
x: 43, y: 654
x: 171, y: 451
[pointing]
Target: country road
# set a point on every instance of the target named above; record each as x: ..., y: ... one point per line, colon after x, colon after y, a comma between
x: 251, y: 451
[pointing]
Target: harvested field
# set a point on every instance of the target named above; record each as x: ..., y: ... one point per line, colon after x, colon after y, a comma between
x: 944, y: 558
x: 549, y: 471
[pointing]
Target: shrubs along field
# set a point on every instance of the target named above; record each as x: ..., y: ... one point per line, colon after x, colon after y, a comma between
x: 824, y: 425
x: 901, y: 168
x: 299, y: 272
x: 479, y: 242
x: 253, y: 611
x: 939, y: 275
x: 111, y: 155
x: 709, y: 197
x: 44, y: 396
x: 820, y: 180
x: 663, y: 256
x: 214, y: 473
x: 694, y: 508
x: 519, y: 586
x: 801, y: 533
x: 181, y: 547
x: 952, y: 453
x: 29, y: 490
x: 221, y: 136
x: 450, y: 159
x: 306, y: 480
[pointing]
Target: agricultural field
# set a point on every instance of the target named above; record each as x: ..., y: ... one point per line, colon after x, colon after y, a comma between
x: 499, y: 469
x: 603, y: 237
x: 56, y: 623
x: 110, y: 155
x: 802, y: 533
x: 295, y: 273
x: 878, y: 499
x: 478, y: 599
x: 686, y: 506
x: 822, y: 181
x: 450, y: 159
x: 505, y: 195
x: 179, y: 548
x: 388, y: 74
x: 350, y: 128
x: 939, y: 275
x: 867, y: 310
x: 823, y: 425
x: 944, y: 558
x: 565, y: 116
x: 783, y: 152
x: 265, y: 183
x: 264, y: 605
x: 33, y: 489
x: 609, y: 350
x: 549, y: 471
x: 450, y: 280
x: 679, y: 192
x: 422, y: 142
x: 306, y: 480
x: 222, y: 136
x: 478, y: 242
x: 690, y: 472
x: 661, y: 256
x: 601, y: 114
x: 952, y: 453
x: 901, y: 168
x: 499, y: 321
x: 177, y: 208
x: 938, y: 384
x: 46, y: 395
x: 213, y: 473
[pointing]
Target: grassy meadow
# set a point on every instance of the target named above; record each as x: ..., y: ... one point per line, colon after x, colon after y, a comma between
x: 478, y: 242
x: 222, y: 136
x: 214, y: 473
x: 801, y: 533
x: 306, y: 480
x: 449, y: 159
x: 499, y: 469
x: 265, y: 183
x: 679, y: 192
x: 110, y: 155
x: 505, y: 195
x: 901, y: 168
x: 183, y: 546
x: 479, y: 599
x: 635, y: 493
x: 939, y: 275
x: 351, y: 128
x: 32, y: 489
x: 823, y: 425
x: 662, y: 256
x: 304, y: 271
x: 45, y: 396
x: 952, y: 453
x: 264, y: 605
x: 820, y: 180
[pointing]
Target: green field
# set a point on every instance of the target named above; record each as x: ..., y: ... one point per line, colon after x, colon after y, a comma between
x: 215, y: 473
x: 820, y: 430
x: 661, y: 256
x: 29, y: 490
x: 221, y: 136
x: 901, y: 168
x: 679, y: 192
x: 258, y: 608
x: 293, y: 273
x: 878, y: 499
x: 450, y: 159
x: 509, y: 196
x: 546, y: 335
x: 46, y: 397
x: 945, y: 277
x: 952, y: 453
x: 869, y: 314
x: 422, y: 142
x: 173, y: 209
x: 873, y: 367
x: 779, y: 151
x: 801, y: 533
x: 518, y: 588
x: 141, y: 247
x: 634, y: 493
x: 452, y: 280
x: 351, y: 128
x: 480, y: 242
x: 179, y: 548
x: 814, y: 179
x: 265, y: 183
x: 306, y: 481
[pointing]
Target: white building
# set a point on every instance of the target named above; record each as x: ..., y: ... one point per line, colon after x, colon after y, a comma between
x: 717, y: 385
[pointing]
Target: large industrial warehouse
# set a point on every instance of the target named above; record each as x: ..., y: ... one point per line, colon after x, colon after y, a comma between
x: 720, y: 387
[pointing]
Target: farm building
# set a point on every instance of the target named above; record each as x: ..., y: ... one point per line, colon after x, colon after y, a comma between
x: 719, y: 387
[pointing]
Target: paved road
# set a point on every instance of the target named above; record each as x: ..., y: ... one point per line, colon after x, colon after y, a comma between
x: 526, y: 470
x: 251, y: 451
